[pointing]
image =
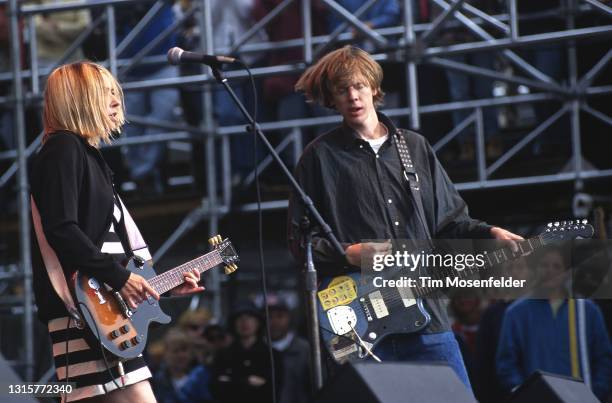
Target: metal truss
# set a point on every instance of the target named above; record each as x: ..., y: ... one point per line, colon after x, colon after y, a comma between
x: 410, y: 43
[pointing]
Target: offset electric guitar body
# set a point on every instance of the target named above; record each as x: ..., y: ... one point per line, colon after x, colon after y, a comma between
x: 355, y: 317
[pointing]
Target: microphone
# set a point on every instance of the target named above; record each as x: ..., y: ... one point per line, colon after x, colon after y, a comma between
x: 177, y: 56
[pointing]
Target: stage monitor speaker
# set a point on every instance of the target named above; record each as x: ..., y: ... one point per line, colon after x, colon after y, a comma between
x: 394, y: 382
x: 550, y: 388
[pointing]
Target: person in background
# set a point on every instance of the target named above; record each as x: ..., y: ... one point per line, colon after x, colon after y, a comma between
x: 145, y: 161
x: 463, y: 87
x: 543, y: 334
x: 243, y: 372
x: 196, y: 388
x: 383, y: 13
x: 56, y: 31
x: 486, y: 383
x: 217, y: 337
x: 194, y: 322
x: 278, y: 93
x: 177, y: 362
x: 294, y: 351
x: 466, y: 309
x: 231, y: 19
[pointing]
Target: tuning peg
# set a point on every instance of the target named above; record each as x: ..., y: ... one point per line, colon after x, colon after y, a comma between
x: 556, y: 224
x: 584, y: 221
x: 549, y: 225
x: 212, y: 241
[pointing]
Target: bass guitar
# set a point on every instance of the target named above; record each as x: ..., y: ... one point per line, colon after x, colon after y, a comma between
x: 122, y: 330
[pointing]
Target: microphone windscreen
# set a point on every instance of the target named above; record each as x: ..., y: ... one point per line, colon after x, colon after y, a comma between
x: 174, y: 55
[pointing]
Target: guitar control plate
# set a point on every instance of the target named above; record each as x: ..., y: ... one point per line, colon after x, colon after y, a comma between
x: 342, y: 319
x: 341, y: 290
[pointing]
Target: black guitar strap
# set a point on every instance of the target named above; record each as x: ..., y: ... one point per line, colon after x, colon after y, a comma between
x: 413, y: 179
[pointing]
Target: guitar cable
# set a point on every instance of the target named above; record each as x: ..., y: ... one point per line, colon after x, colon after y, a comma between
x: 364, y: 345
x: 63, y: 399
x: 120, y: 365
x: 260, y: 235
x: 359, y: 343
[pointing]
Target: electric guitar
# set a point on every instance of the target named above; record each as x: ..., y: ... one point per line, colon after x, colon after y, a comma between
x: 122, y: 330
x: 355, y: 316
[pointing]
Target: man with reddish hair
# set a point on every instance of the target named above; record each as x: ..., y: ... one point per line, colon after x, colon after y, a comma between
x: 356, y: 179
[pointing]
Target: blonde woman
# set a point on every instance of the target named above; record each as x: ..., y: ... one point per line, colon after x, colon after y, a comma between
x: 82, y: 221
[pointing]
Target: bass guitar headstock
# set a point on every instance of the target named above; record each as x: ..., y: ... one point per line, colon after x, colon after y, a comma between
x: 226, y: 251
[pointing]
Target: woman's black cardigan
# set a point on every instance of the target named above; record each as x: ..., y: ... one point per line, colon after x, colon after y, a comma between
x: 72, y: 187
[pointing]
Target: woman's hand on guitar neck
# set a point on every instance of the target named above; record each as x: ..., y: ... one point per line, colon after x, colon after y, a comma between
x: 136, y: 290
x: 190, y: 285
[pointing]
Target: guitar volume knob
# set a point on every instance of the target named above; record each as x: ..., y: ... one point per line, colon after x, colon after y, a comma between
x: 114, y: 334
x: 126, y: 344
x: 136, y: 340
x: 124, y: 329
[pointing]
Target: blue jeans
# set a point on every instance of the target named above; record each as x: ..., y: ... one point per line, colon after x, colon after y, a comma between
x: 425, y: 347
x: 158, y: 103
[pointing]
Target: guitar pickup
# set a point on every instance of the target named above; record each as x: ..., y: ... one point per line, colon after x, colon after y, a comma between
x: 378, y: 305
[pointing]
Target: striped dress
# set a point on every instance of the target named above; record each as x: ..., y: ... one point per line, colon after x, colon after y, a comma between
x: 86, y: 366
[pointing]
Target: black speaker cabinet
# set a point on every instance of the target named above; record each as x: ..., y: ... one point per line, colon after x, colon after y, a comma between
x: 370, y: 382
x: 550, y: 388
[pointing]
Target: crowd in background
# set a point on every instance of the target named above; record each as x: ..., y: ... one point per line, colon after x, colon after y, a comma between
x: 503, y: 341
x: 200, y: 360
x: 146, y: 164
x: 504, y: 337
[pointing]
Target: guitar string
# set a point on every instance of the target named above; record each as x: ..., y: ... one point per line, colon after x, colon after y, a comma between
x: 394, y: 299
x: 169, y: 279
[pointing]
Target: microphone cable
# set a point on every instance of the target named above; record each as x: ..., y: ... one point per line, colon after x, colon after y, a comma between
x: 264, y: 287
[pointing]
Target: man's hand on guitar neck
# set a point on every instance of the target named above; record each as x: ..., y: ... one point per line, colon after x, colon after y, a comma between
x: 508, y: 237
x: 363, y: 253
x: 136, y: 289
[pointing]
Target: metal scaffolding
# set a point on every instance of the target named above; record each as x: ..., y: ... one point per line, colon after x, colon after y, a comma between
x: 411, y: 43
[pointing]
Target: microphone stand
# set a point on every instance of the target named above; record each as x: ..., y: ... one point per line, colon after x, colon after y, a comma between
x: 310, y: 273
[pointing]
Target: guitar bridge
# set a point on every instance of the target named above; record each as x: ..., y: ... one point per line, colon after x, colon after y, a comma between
x: 127, y: 312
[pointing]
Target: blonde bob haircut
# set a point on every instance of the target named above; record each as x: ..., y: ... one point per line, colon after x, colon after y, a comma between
x: 337, y: 69
x: 77, y: 97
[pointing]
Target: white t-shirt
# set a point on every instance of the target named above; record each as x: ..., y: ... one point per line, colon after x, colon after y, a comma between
x: 377, y: 143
